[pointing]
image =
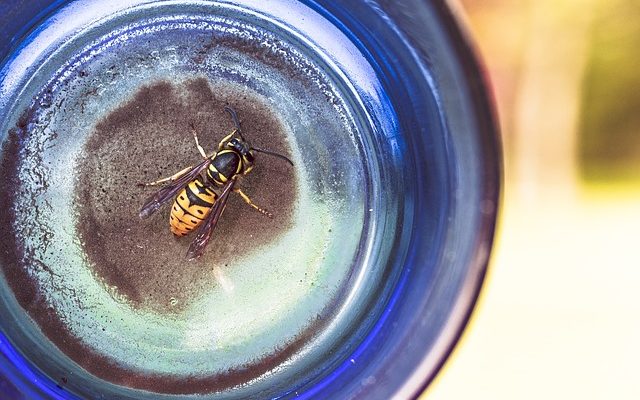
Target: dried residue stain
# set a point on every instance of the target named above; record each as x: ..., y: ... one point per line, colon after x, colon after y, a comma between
x: 148, y: 138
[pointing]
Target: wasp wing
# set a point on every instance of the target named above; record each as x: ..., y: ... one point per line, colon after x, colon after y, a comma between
x: 196, y: 249
x: 154, y: 202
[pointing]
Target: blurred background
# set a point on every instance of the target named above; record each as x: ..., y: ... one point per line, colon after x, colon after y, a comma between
x: 559, y: 316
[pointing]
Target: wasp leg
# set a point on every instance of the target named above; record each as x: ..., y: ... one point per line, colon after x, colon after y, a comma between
x: 249, y: 202
x: 195, y: 136
x: 169, y: 178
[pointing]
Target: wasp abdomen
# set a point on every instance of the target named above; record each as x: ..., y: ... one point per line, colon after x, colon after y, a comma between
x: 190, y: 207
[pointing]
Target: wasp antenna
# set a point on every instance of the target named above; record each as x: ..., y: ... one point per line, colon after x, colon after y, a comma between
x: 234, y: 117
x: 272, y: 153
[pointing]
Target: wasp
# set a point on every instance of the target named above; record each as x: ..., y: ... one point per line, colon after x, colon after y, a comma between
x: 199, y: 201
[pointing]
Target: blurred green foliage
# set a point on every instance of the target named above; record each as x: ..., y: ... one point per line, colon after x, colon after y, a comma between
x: 609, y: 142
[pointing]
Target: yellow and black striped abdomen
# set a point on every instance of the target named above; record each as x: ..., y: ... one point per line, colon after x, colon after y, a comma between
x: 190, y: 207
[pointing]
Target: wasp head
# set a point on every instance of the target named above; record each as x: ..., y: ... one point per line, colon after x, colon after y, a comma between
x: 244, y: 150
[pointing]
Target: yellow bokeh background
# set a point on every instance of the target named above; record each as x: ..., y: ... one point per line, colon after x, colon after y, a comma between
x: 559, y: 315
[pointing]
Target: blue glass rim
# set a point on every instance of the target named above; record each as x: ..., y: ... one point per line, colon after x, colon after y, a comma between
x: 476, y: 96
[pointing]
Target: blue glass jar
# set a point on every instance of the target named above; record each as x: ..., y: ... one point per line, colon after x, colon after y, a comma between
x: 403, y: 155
